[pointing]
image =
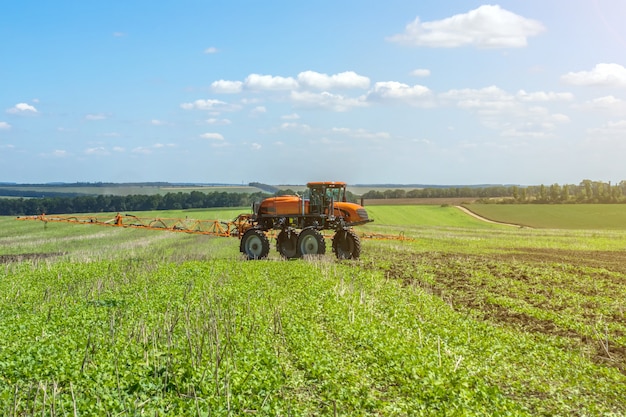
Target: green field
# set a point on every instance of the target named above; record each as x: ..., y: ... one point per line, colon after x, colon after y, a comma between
x: 467, y: 318
x: 556, y: 216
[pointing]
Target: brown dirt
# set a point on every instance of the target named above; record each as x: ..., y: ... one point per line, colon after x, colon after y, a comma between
x: 471, y: 283
x: 5, y: 259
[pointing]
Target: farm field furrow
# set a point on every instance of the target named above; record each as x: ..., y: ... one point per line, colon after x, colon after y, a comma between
x: 466, y: 318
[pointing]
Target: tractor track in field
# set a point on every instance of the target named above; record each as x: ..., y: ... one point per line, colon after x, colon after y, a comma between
x: 484, y: 219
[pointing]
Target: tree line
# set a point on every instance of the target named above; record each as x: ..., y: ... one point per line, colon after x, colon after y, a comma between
x: 135, y: 202
x: 587, y: 191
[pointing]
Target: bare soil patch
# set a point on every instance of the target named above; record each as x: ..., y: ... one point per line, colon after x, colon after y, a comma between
x: 5, y: 259
x: 492, y: 287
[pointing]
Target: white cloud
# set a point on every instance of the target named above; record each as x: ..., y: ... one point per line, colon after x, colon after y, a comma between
x: 393, y: 90
x: 118, y: 149
x: 119, y: 34
x: 609, y: 75
x: 492, y: 98
x: 156, y: 122
x: 99, y: 151
x: 510, y: 114
x: 606, y: 103
x: 610, y: 129
x: 293, y: 116
x: 227, y: 87
x: 4, y: 126
x: 325, y: 100
x: 360, y: 133
x: 142, y: 150
x: 304, y: 128
x: 269, y: 82
x: 488, y: 26
x: 219, y: 122
x: 22, y: 108
x: 319, y: 81
x: 211, y: 50
x: 542, y: 96
x: 255, y: 146
x: 209, y: 105
x: 420, y: 72
x: 58, y: 153
x: 258, y: 110
x: 98, y: 116
x: 212, y: 136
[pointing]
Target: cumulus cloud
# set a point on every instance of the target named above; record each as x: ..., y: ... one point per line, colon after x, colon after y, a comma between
x: 4, y: 126
x: 208, y: 105
x: 216, y: 121
x: 98, y: 151
x: 544, y: 96
x: 227, y: 87
x: 258, y: 110
x: 488, y: 26
x: 606, y: 103
x: 512, y: 115
x: 343, y: 80
x: 22, y: 108
x: 608, y: 75
x: 270, y: 82
x: 325, y: 100
x: 212, y: 136
x: 393, y: 90
x: 293, y: 116
x: 492, y: 98
x: 211, y: 50
x: 420, y: 72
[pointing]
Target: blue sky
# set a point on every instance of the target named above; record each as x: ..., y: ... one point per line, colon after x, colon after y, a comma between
x: 456, y: 92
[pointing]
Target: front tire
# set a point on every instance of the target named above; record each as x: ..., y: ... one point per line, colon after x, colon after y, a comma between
x: 346, y: 244
x: 254, y: 244
x: 287, y: 244
x: 311, y: 242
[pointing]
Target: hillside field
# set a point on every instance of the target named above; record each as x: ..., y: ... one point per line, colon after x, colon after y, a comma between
x: 461, y: 317
x: 556, y: 216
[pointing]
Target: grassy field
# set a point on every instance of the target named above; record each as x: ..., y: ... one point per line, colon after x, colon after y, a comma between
x: 556, y: 216
x: 468, y: 318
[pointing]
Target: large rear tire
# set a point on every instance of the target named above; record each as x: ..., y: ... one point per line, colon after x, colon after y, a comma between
x: 287, y: 244
x: 254, y: 244
x: 311, y: 242
x: 346, y: 244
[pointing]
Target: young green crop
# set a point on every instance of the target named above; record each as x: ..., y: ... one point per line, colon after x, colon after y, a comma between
x: 463, y: 320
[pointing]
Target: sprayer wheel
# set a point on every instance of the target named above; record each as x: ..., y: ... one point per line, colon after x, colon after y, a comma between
x: 311, y: 242
x: 254, y: 244
x: 346, y: 244
x: 287, y: 244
